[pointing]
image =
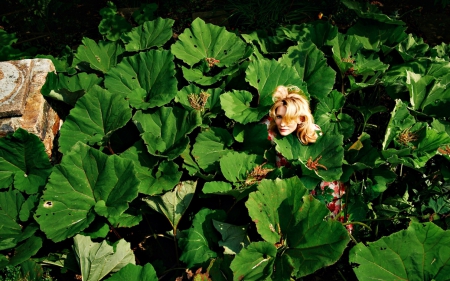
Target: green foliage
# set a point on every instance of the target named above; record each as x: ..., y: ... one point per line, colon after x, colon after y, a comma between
x: 391, y: 256
x: 165, y: 146
x: 96, y: 260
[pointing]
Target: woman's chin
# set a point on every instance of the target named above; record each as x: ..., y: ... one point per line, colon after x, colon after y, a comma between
x: 284, y: 132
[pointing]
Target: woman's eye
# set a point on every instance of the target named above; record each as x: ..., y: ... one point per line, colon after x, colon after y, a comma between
x: 279, y: 117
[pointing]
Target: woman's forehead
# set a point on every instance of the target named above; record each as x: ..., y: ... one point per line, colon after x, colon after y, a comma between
x: 281, y: 110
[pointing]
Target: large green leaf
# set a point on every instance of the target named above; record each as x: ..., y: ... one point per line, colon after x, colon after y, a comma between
x: 319, y: 32
x: 329, y: 117
x: 421, y: 252
x: 345, y: 48
x: 324, y: 157
x: 135, y: 272
x: 96, y: 260
x: 86, y: 180
x: 153, y: 180
x: 254, y: 262
x: 204, y: 41
x: 236, y: 166
x: 197, y: 241
x: 428, y: 93
x: 205, y: 75
x: 165, y: 130
x: 112, y: 25
x: 412, y: 47
x: 312, y: 67
x: 287, y: 216
x: 69, y: 88
x: 373, y: 38
x: 23, y: 162
x: 234, y: 237
x: 236, y: 105
x: 368, y: 10
x: 400, y: 120
x: 266, y: 75
x: 101, y: 56
x: 173, y: 203
x: 254, y: 137
x: 210, y: 145
x: 145, y: 13
x: 10, y: 204
x: 146, y: 79
x: 95, y: 117
x: 150, y: 34
x: 265, y: 44
x: 26, y: 250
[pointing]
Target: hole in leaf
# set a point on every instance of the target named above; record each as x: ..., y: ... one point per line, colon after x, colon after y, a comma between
x: 354, y: 264
x: 258, y: 81
x: 195, y: 46
x: 225, y: 52
x: 48, y: 204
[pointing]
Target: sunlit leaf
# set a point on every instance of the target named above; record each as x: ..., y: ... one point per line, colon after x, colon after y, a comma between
x: 95, y: 117
x: 198, y: 241
x: 23, y: 162
x: 96, y: 260
x: 86, y: 182
x: 391, y: 257
x: 101, y: 56
x: 149, y: 34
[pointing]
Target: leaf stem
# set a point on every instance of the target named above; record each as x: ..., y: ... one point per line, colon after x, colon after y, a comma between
x: 357, y: 222
x: 353, y: 238
x: 342, y: 276
x: 176, y: 245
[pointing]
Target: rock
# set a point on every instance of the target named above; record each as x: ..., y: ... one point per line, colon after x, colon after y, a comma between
x: 21, y: 102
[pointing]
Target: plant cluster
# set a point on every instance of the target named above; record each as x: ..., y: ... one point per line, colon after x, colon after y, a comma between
x: 166, y: 170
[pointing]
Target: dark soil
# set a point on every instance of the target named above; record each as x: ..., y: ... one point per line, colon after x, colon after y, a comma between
x: 68, y: 21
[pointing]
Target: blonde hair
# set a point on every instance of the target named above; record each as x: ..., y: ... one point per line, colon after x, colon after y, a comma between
x: 297, y: 106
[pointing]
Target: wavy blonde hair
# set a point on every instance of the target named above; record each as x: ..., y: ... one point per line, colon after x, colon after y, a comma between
x: 297, y: 106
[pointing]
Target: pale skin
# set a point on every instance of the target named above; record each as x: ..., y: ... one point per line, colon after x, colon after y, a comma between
x: 285, y: 128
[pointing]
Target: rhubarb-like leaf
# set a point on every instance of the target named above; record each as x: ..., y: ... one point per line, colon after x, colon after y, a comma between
x: 152, y: 71
x: 197, y: 241
x: 95, y: 117
x: 287, y: 216
x: 324, y: 157
x: 112, y: 25
x: 153, y: 180
x: 135, y: 272
x: 237, y: 166
x: 96, y: 260
x: 69, y: 88
x: 86, y: 182
x: 236, y: 105
x: 101, y: 56
x: 393, y: 257
x: 266, y: 75
x: 206, y: 41
x: 210, y: 146
x: 312, y: 67
x: 173, y: 204
x: 165, y: 129
x: 23, y: 162
x: 329, y: 117
x: 150, y: 34
x: 234, y: 237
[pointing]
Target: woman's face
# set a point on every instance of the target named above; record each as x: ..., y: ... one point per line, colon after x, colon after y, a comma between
x: 283, y: 127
